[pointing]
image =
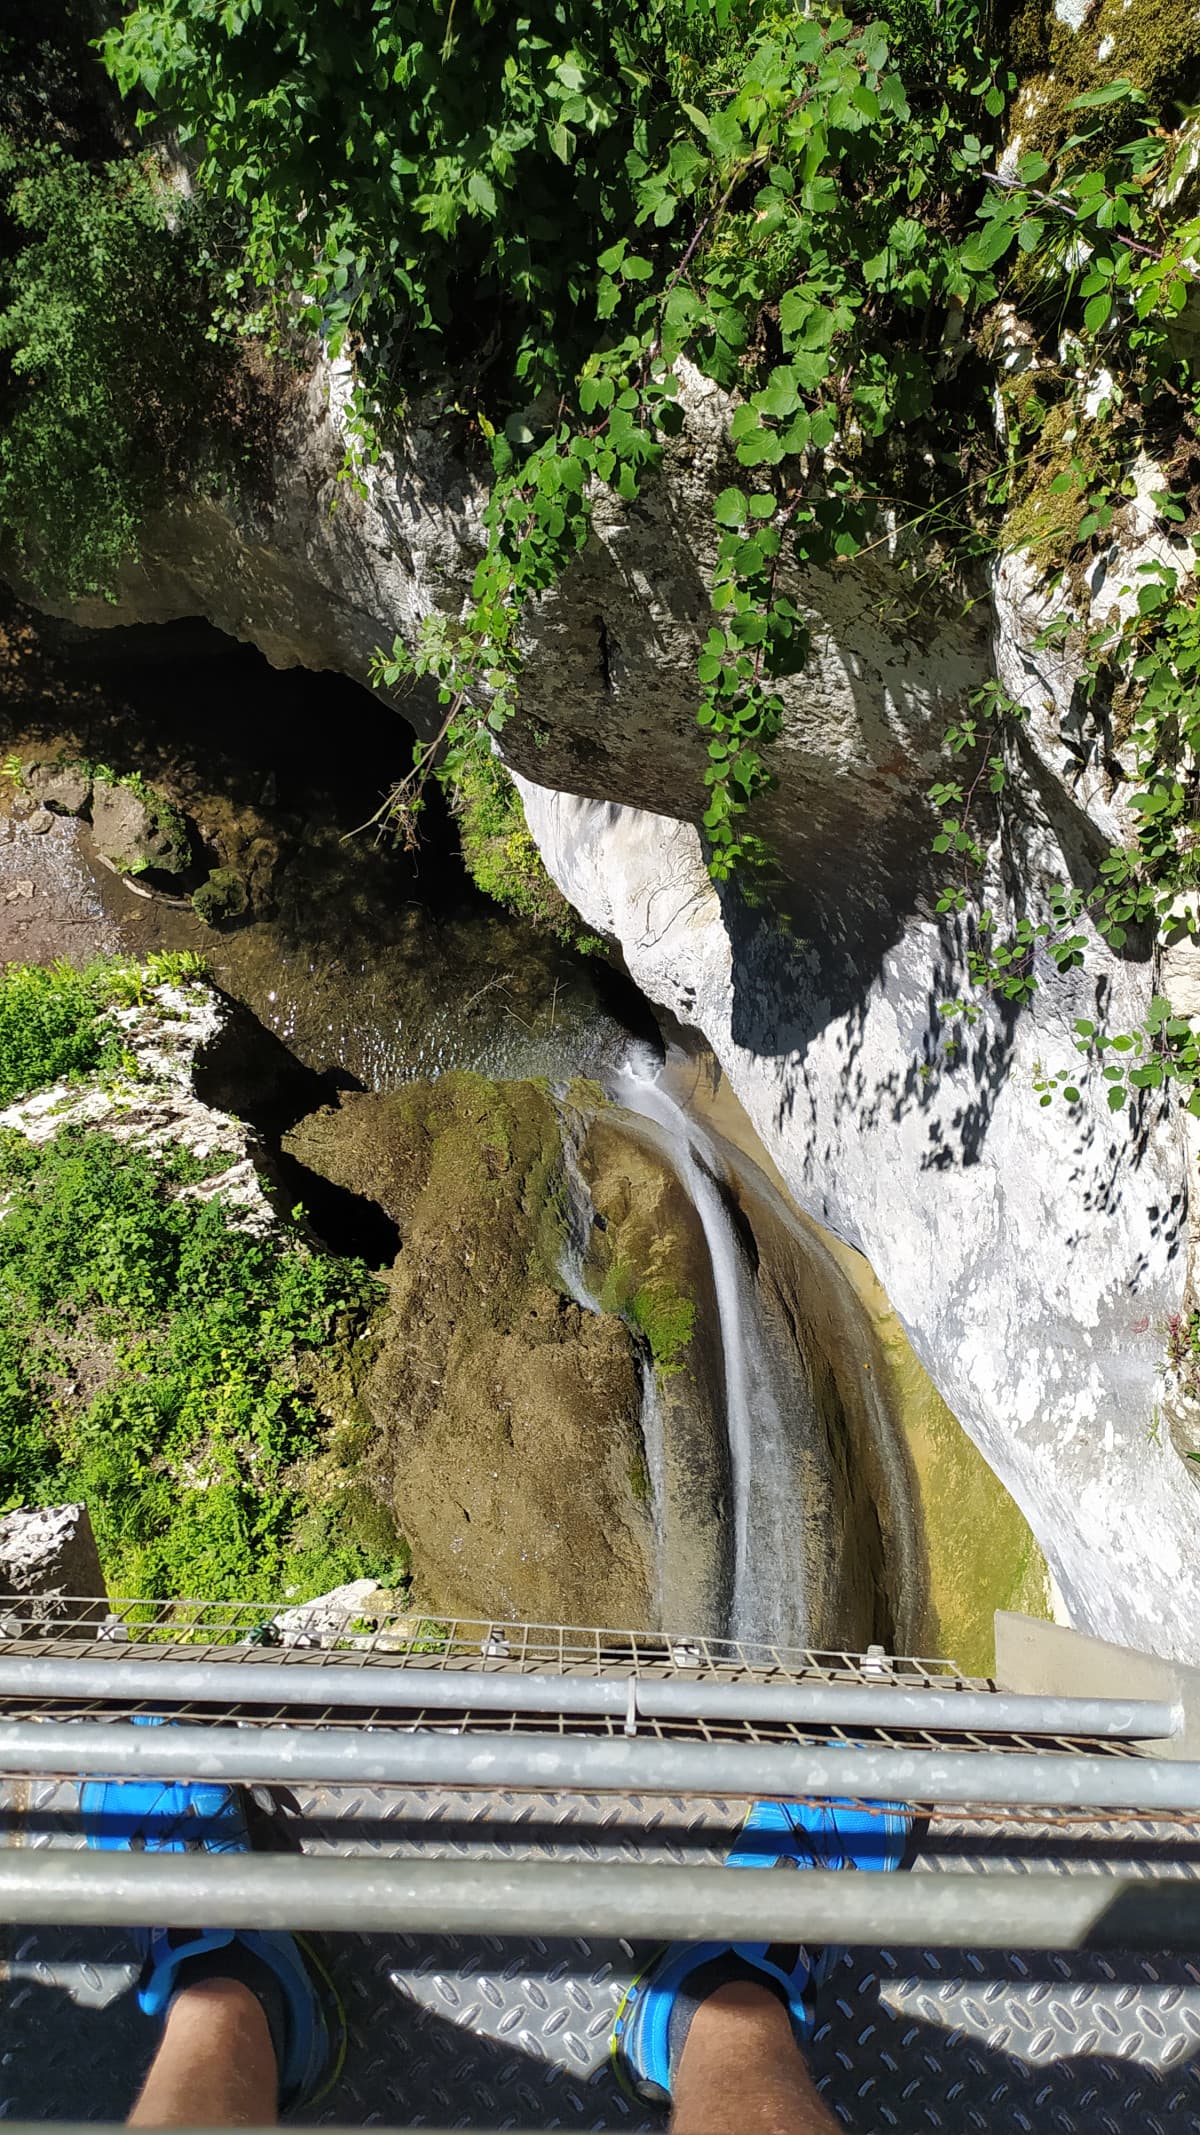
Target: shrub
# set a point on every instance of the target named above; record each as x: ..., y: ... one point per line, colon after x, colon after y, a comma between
x: 51, y: 1025
x: 118, y: 384
x: 498, y: 851
x: 92, y: 296
x: 153, y: 1363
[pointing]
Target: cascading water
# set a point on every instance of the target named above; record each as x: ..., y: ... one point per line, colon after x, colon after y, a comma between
x: 769, y: 1600
x: 572, y: 1268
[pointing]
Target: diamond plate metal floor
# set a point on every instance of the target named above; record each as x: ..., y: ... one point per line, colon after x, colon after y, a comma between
x: 482, y: 2034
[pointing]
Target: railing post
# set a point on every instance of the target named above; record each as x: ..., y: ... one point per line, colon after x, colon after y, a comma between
x: 1050, y: 1660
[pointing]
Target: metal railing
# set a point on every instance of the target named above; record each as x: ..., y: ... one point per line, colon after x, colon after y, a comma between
x: 535, y: 1713
x: 631, y: 1698
x: 283, y: 1755
x: 565, y: 1900
x: 502, y: 1708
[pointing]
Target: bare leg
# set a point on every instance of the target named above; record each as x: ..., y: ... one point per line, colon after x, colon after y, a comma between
x: 741, y: 2072
x: 215, y: 2066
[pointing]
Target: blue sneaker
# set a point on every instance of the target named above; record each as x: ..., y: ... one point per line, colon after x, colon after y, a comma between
x: 822, y: 1834
x: 776, y: 1834
x: 156, y: 1816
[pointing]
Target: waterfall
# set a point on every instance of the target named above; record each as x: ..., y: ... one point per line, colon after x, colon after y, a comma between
x: 572, y: 1267
x: 769, y: 1601
x: 578, y: 1215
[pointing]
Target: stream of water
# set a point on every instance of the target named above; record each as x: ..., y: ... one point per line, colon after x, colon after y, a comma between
x: 572, y: 1268
x: 768, y: 1601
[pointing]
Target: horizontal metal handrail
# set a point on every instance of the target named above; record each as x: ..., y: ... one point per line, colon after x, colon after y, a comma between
x: 579, y: 1898
x: 386, y: 1685
x: 287, y: 1755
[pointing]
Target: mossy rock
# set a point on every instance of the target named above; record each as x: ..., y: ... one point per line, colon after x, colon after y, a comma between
x: 649, y: 1259
x: 136, y: 830
x: 221, y: 897
x: 498, y: 850
x: 660, y: 1312
x: 506, y: 1440
x: 1154, y: 44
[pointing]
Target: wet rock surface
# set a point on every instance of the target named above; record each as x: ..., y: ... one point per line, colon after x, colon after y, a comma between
x: 506, y: 1417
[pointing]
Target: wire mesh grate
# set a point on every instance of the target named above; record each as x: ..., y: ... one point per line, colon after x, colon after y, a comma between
x: 311, y: 1634
x: 243, y: 1634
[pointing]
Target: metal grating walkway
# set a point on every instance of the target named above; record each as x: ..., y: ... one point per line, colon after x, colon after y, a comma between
x: 482, y: 2033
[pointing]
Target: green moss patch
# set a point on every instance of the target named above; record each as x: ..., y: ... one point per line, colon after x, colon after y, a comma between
x: 660, y: 1312
x: 1156, y: 47
x: 498, y: 851
x: 982, y: 1555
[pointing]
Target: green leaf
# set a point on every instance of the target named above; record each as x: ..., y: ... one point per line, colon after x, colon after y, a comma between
x: 731, y: 508
x: 985, y: 247
x: 1096, y: 311
x: 1114, y: 93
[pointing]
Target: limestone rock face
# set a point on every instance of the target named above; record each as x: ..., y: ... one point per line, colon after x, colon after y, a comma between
x: 1032, y: 1252
x: 50, y: 1554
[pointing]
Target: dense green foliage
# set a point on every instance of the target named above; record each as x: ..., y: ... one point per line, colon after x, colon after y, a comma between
x: 152, y: 1363
x: 117, y: 387
x: 531, y: 218
x: 406, y: 168
x: 53, y: 1024
x: 157, y: 1359
x: 57, y: 1024
x: 89, y: 303
x: 499, y: 854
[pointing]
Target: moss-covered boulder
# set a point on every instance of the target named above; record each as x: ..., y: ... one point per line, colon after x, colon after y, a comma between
x: 1062, y: 51
x: 136, y: 831
x: 221, y: 897
x: 507, y: 1438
